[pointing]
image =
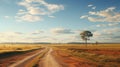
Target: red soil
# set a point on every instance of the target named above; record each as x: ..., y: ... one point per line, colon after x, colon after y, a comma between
x: 5, y: 62
x: 106, y: 52
x: 69, y: 61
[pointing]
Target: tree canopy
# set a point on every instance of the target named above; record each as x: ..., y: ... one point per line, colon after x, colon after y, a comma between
x: 85, y: 35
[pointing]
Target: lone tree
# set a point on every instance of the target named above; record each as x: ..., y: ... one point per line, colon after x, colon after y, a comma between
x: 85, y: 35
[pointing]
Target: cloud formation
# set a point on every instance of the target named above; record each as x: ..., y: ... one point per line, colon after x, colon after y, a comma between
x: 107, y: 35
x: 6, y: 17
x: 36, y: 9
x: 92, y: 6
x: 61, y: 31
x: 37, y: 32
x: 107, y: 15
x: 108, y: 25
x: 37, y: 36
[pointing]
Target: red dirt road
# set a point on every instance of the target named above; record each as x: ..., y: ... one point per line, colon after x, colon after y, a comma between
x: 49, y: 61
x: 51, y: 58
x: 69, y: 61
x: 57, y: 58
x: 5, y: 62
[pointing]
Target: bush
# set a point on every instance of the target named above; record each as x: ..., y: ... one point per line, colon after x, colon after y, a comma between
x: 18, y: 48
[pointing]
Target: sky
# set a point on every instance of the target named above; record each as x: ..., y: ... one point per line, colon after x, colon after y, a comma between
x: 59, y: 21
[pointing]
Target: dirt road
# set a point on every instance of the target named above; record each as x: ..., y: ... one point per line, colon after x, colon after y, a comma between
x: 48, y: 57
x: 26, y: 61
x: 49, y: 60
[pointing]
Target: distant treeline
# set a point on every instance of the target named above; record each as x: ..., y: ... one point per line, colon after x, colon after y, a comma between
x: 25, y: 43
x: 91, y: 43
x: 55, y: 43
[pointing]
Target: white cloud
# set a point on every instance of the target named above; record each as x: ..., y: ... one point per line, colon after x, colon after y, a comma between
x: 53, y: 7
x: 61, y: 31
x: 52, y: 16
x: 97, y: 34
x: 29, y: 18
x: 113, y: 24
x: 90, y: 5
x: 37, y: 9
x: 24, y: 3
x: 36, y: 36
x: 38, y: 32
x: 94, y: 7
x: 107, y: 35
x: 10, y: 36
x: 12, y: 33
x: 21, y: 12
x: 22, y: 37
x: 101, y: 25
x: 107, y: 15
x: 104, y: 13
x: 6, y: 17
x: 112, y: 30
x: 108, y: 25
x: 84, y: 16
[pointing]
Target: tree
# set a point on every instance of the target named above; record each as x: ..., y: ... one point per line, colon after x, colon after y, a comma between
x: 85, y: 35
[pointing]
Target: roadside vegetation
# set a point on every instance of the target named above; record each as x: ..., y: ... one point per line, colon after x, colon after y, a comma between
x: 11, y: 54
x: 107, y: 55
x: 17, y: 47
x: 8, y: 50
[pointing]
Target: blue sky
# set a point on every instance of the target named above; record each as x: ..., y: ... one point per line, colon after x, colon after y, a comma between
x: 59, y: 20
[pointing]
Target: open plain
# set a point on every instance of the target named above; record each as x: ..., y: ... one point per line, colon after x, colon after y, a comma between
x: 60, y: 55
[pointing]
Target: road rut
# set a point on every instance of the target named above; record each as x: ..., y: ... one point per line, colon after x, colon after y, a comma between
x: 49, y: 60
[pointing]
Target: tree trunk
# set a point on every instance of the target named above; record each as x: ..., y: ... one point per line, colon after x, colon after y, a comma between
x: 86, y: 43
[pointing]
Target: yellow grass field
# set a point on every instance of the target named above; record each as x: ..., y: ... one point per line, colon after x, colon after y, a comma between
x: 17, y: 47
x: 101, y: 55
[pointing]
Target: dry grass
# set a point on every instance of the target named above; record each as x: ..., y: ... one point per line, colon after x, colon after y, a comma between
x: 104, y: 55
x: 90, y: 46
x: 17, y: 47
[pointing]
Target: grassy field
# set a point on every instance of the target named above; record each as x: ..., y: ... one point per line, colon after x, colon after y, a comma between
x: 17, y: 47
x: 103, y: 55
x: 11, y: 53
